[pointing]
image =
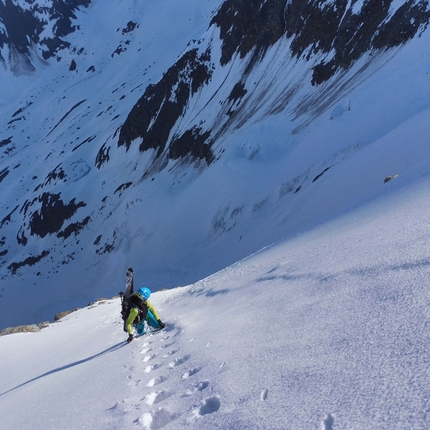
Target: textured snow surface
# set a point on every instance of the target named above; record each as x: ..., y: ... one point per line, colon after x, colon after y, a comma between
x: 326, y: 330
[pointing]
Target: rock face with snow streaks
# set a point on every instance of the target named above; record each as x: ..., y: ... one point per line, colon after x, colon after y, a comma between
x: 330, y: 35
x: 23, y: 30
x: 162, y: 105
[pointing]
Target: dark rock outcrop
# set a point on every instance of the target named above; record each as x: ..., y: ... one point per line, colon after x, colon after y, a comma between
x: 52, y: 214
x: 29, y: 261
x: 162, y: 104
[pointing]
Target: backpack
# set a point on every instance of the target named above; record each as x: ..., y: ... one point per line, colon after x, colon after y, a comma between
x: 125, y: 306
x: 132, y: 301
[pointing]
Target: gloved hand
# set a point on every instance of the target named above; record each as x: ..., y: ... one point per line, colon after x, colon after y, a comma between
x: 130, y: 338
x: 161, y: 324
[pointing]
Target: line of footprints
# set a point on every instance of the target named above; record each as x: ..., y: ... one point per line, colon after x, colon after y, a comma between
x: 162, y: 360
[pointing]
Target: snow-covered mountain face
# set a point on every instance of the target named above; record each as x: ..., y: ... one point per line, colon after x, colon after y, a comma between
x: 179, y: 138
x: 29, y: 26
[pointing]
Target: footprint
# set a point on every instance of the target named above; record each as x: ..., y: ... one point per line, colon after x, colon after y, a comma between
x: 132, y: 381
x: 156, y: 381
x: 179, y: 331
x: 145, y: 350
x: 164, y: 338
x: 151, y: 368
x: 202, y: 385
x: 166, y: 345
x: 135, y: 383
x: 191, y: 372
x: 148, y: 357
x: 197, y: 387
x: 126, y: 405
x: 208, y: 406
x: 173, y: 351
x: 264, y: 393
x: 156, y: 419
x: 179, y: 361
x: 154, y: 398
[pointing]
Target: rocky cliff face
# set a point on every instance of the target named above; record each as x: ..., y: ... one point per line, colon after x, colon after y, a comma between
x: 330, y: 35
x: 156, y: 113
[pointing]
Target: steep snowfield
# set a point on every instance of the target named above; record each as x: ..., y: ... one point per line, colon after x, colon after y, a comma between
x: 325, y: 330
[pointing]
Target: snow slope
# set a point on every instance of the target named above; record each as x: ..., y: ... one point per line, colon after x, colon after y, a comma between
x: 327, y: 329
x: 284, y: 163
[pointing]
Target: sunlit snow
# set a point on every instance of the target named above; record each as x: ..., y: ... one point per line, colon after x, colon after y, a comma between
x: 325, y: 330
x: 324, y: 326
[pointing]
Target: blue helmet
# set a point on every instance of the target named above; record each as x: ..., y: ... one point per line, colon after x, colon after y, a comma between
x: 144, y: 293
